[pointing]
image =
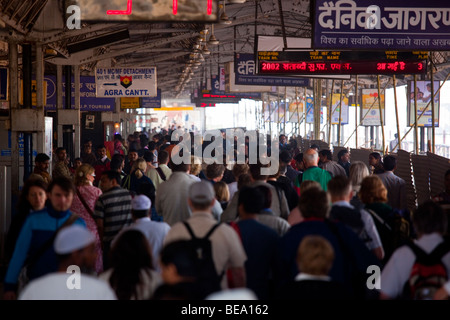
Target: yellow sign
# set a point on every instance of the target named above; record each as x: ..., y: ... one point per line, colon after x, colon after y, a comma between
x: 372, y: 116
x: 129, y: 103
x: 33, y: 93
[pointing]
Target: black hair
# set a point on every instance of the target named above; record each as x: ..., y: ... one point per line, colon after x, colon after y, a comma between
x: 315, y: 146
x: 326, y: 153
x: 376, y: 155
x: 180, y: 254
x: 299, y: 157
x: 64, y: 183
x: 285, y: 156
x: 148, y: 156
x: 389, y: 163
x: 429, y: 217
x: 267, y: 195
x: 130, y: 255
x: 152, y: 145
x: 341, y: 153
x: 41, y: 157
x: 116, y: 162
x: 252, y: 199
x: 113, y: 175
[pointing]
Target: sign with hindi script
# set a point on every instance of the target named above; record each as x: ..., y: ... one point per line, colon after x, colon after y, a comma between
x: 381, y: 24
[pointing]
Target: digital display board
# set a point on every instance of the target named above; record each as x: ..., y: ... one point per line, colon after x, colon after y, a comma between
x: 342, y: 67
x: 341, y: 62
x: 142, y: 10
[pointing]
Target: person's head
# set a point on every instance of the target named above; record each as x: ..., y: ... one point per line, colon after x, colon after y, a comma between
x: 266, y: 196
x: 285, y: 157
x: 250, y: 202
x: 239, y: 169
x: 42, y: 162
x: 177, y: 260
x: 75, y: 245
x: 340, y: 189
x: 181, y: 167
x: 148, y: 156
x: 390, y: 163
x: 117, y: 162
x: 61, y: 154
x: 139, y: 164
x: 140, y: 206
x: 163, y: 157
x: 84, y: 175
x: 133, y: 155
x: 374, y: 159
x: 196, y: 166
x: 325, y: 155
x: 130, y: 255
x: 222, y: 192
x: 215, y: 171
x: 118, y: 137
x: 358, y: 171
x: 201, y: 196
x: 255, y: 170
x: 314, y: 203
x: 60, y: 193
x: 87, y: 148
x: 34, y: 194
x: 101, y: 151
x: 344, y: 156
x: 429, y: 217
x: 147, y: 189
x: 447, y: 181
x: 283, y: 139
x: 244, y: 179
x: 372, y: 190
x: 109, y: 180
x: 309, y: 184
x: 77, y: 162
x: 299, y: 161
x: 315, y: 255
x: 152, y: 145
x: 315, y: 147
x: 310, y: 158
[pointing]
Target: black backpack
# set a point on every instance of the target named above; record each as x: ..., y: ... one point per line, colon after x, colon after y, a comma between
x: 207, y: 276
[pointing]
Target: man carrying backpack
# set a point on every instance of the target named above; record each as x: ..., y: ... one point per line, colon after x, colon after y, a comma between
x: 226, y: 249
x: 417, y: 270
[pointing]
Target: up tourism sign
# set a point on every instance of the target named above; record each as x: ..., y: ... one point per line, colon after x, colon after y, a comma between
x: 381, y: 24
x: 125, y: 82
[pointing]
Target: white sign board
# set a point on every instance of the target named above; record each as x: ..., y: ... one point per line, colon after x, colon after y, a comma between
x: 125, y: 82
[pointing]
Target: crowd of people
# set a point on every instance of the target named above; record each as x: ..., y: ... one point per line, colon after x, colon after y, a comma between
x: 134, y: 222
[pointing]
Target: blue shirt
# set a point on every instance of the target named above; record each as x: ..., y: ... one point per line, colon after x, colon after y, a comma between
x: 260, y: 245
x: 39, y: 227
x: 347, y: 262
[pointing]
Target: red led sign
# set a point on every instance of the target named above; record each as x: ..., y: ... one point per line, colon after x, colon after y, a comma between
x: 342, y: 67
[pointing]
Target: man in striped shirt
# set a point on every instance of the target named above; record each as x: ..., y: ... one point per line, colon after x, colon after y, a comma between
x: 112, y: 210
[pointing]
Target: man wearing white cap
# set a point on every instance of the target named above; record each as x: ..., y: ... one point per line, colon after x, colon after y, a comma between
x: 227, y: 250
x: 155, y: 232
x: 75, y: 247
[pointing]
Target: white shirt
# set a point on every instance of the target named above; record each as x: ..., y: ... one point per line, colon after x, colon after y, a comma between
x: 369, y: 226
x: 232, y: 188
x: 397, y: 270
x: 227, y: 248
x: 53, y: 286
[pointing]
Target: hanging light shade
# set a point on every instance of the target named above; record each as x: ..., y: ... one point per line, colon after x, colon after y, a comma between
x: 212, y: 39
